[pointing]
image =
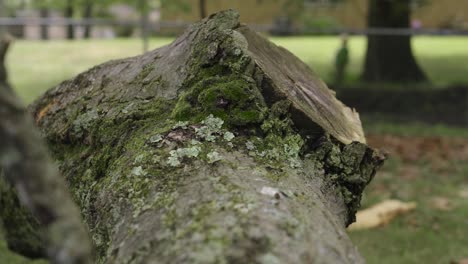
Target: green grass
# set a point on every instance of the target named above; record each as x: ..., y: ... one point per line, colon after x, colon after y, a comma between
x: 426, y: 235
x: 36, y: 66
x: 372, y: 126
x: 443, y: 58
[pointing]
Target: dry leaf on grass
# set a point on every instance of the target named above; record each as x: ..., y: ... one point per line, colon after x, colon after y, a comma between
x: 461, y: 261
x: 380, y: 214
x: 463, y: 193
x: 442, y: 203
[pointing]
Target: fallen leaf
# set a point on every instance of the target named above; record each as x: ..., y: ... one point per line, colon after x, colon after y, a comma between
x: 441, y: 203
x: 463, y: 193
x: 461, y: 261
x: 380, y: 214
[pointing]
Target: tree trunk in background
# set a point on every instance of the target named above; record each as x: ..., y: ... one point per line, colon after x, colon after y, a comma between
x: 390, y: 58
x: 44, y: 14
x: 268, y: 167
x: 144, y: 10
x: 68, y: 14
x: 4, y: 45
x: 202, y: 7
x: 88, y: 14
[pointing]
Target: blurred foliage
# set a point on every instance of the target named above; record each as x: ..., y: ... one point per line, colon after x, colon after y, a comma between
x: 318, y: 23
x: 179, y: 5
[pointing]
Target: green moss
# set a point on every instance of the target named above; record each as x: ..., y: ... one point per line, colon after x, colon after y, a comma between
x: 279, y: 144
x: 22, y: 232
x: 347, y: 167
x: 233, y: 99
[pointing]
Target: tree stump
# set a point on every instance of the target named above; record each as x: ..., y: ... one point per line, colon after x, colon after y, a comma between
x: 218, y: 148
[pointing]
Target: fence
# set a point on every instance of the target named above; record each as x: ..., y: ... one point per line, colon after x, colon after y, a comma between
x: 163, y: 26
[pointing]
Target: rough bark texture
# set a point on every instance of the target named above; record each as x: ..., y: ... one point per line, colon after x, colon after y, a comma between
x: 390, y: 58
x: 268, y: 166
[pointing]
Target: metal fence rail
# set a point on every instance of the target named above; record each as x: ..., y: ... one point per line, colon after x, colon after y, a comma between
x: 7, y: 21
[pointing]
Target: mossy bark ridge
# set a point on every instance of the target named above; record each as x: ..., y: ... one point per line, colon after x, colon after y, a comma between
x: 218, y: 148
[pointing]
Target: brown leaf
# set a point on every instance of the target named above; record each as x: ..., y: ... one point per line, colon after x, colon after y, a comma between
x: 381, y: 214
x: 442, y: 203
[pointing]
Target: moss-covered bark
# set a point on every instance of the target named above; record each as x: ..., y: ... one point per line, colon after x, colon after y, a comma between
x: 193, y: 153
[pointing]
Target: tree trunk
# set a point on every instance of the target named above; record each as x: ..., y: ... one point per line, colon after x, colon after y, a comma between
x: 143, y: 6
x: 44, y: 14
x: 218, y: 148
x: 202, y: 7
x: 87, y: 15
x: 389, y: 58
x: 4, y: 45
x: 68, y: 14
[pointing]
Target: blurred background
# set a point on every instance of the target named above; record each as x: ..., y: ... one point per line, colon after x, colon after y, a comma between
x: 402, y: 64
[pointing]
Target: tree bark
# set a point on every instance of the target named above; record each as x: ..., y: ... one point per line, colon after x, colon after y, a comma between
x: 68, y: 14
x: 218, y: 148
x: 389, y: 58
x: 88, y: 14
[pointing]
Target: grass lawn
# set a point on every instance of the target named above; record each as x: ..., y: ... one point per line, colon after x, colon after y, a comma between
x: 36, y: 66
x: 432, y: 233
x: 427, y: 235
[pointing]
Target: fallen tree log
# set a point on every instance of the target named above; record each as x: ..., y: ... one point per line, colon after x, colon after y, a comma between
x: 218, y: 148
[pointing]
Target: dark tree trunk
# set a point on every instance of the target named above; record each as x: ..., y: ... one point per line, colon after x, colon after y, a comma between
x: 389, y: 58
x: 68, y: 14
x: 44, y: 14
x: 4, y: 44
x: 202, y: 7
x: 144, y: 20
x: 268, y: 166
x: 88, y: 14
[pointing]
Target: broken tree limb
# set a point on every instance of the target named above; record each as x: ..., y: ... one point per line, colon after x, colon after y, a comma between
x: 5, y: 41
x: 26, y: 165
x: 209, y: 151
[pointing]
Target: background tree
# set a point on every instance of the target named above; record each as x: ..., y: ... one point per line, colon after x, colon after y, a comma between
x: 87, y: 14
x: 389, y: 58
x: 202, y: 6
x: 68, y: 14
